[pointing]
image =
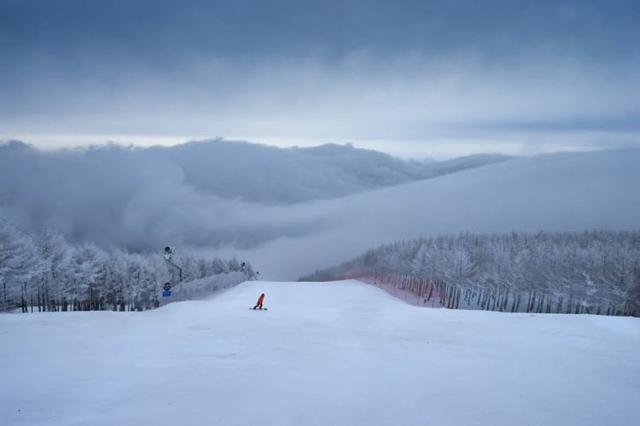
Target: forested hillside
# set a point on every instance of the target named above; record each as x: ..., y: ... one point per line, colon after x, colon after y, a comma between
x: 594, y: 272
x: 46, y: 273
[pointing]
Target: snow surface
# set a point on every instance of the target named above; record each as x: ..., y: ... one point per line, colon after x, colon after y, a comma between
x: 342, y: 353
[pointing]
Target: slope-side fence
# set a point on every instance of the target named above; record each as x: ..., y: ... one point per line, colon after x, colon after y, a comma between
x: 421, y: 291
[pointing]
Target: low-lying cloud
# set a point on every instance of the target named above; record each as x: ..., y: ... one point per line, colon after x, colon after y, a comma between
x: 202, y: 194
x: 403, y: 75
x: 144, y: 199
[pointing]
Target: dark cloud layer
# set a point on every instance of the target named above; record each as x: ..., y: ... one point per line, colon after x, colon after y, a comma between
x: 163, y: 30
x: 323, y: 70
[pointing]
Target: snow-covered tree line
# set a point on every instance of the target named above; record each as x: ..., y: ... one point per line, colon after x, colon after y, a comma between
x: 590, y: 272
x: 46, y: 273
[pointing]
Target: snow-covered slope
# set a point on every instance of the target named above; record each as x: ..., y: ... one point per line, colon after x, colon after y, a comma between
x: 324, y: 354
x: 556, y: 192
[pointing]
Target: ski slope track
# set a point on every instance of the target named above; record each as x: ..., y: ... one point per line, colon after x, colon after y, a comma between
x: 342, y: 353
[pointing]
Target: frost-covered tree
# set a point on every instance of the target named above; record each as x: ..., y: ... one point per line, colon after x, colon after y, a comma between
x: 234, y: 265
x: 20, y: 266
x: 56, y: 253
x: 590, y: 272
x: 49, y: 274
x: 219, y: 266
x: 86, y: 263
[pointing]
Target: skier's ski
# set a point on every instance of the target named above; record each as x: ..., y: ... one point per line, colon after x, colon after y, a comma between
x: 262, y: 309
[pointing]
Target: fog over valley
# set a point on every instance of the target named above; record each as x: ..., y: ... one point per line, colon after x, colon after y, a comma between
x: 295, y: 209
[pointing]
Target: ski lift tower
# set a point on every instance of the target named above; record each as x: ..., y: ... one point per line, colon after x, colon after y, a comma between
x: 168, y: 257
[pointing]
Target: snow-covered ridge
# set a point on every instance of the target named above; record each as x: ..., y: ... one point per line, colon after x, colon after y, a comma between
x: 341, y: 353
x: 555, y: 192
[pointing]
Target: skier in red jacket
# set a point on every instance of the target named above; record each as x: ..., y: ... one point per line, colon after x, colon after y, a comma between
x: 260, y: 302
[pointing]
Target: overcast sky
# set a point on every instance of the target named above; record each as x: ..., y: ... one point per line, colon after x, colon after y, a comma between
x: 413, y: 78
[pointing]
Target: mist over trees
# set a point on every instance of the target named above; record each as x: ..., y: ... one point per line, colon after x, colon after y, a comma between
x: 595, y: 272
x: 200, y: 194
x: 46, y: 273
x: 141, y: 199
